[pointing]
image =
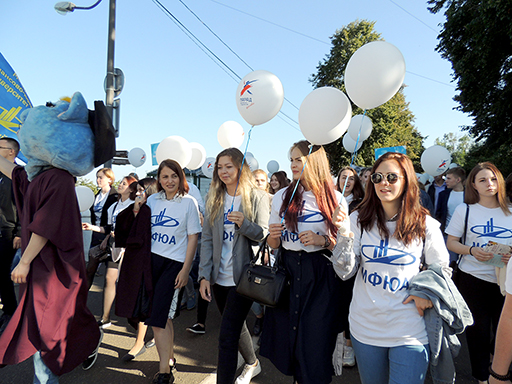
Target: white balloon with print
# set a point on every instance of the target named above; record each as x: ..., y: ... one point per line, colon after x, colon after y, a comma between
x: 85, y: 197
x: 374, y: 73
x: 272, y: 166
x: 137, y: 157
x: 259, y: 97
x: 350, y: 145
x: 174, y: 148
x: 230, y: 135
x: 435, y: 160
x: 198, y: 156
x: 360, y: 123
x: 324, y: 115
x: 208, y: 167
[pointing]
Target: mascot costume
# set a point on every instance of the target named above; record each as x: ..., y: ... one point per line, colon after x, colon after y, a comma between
x: 52, y: 320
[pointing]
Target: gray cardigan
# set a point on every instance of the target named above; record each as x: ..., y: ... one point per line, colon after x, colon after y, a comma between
x: 449, y: 317
x: 249, y: 234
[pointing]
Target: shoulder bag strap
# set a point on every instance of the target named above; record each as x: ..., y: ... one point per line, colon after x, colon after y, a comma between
x: 465, y: 232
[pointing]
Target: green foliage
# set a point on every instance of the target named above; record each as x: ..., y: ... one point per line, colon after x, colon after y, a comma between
x: 499, y: 155
x: 477, y: 40
x: 392, y: 121
x: 88, y: 183
x: 459, y: 146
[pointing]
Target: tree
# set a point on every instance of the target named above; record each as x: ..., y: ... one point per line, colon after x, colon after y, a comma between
x: 87, y: 183
x: 477, y: 39
x: 459, y: 146
x: 392, y: 121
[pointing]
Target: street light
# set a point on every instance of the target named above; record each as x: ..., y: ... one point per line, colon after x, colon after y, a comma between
x: 63, y: 8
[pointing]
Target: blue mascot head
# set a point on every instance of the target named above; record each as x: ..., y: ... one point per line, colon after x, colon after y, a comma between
x: 59, y: 136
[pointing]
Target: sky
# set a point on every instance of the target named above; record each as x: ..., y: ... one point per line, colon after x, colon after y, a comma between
x: 173, y: 88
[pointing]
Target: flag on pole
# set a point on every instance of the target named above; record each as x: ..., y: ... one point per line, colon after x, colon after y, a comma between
x: 13, y: 100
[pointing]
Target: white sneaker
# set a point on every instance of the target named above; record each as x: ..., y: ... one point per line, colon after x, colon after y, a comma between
x: 248, y: 373
x: 349, y: 359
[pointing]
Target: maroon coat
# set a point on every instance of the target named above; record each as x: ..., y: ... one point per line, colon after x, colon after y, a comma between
x: 134, y: 286
x: 52, y: 316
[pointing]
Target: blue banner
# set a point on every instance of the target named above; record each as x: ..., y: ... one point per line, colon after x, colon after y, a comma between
x: 380, y: 151
x: 13, y: 100
x: 153, y: 153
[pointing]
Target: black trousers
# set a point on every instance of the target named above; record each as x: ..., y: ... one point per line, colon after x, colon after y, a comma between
x: 7, y: 293
x: 485, y: 301
x: 234, y: 309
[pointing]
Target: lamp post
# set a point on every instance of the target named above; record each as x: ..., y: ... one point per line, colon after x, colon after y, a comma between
x: 63, y: 8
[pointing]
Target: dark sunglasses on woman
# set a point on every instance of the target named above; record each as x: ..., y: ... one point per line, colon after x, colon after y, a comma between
x: 378, y: 178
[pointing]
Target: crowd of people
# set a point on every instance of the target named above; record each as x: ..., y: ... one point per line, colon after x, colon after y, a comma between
x: 355, y: 249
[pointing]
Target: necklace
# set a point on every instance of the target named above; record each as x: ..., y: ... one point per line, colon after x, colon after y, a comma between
x: 394, y: 217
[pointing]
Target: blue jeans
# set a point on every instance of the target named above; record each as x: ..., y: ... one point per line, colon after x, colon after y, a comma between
x: 406, y: 364
x: 42, y: 374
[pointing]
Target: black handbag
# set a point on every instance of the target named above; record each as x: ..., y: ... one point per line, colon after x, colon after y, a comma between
x: 262, y: 283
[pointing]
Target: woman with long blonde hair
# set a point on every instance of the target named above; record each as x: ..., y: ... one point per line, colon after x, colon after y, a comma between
x: 236, y: 219
x: 299, y: 335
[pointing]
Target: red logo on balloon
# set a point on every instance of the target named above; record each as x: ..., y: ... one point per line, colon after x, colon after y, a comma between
x: 246, y: 87
x: 442, y: 164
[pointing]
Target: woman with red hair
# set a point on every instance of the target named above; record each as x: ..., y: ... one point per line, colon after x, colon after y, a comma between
x: 299, y: 336
x: 390, y: 232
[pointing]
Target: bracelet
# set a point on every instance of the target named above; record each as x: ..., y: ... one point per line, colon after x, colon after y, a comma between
x: 134, y: 211
x: 327, y: 241
x: 470, y: 248
x: 499, y: 377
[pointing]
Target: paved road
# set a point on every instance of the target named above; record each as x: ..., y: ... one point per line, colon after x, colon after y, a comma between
x: 196, y: 356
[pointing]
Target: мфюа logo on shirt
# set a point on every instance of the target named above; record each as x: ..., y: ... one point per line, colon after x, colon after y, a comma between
x: 310, y: 216
x: 385, y: 255
x: 161, y: 220
x: 489, y: 230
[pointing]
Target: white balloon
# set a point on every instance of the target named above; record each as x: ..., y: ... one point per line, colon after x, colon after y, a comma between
x: 435, y: 160
x: 174, y: 148
x: 137, y: 157
x: 85, y: 197
x: 252, y: 163
x: 259, y: 97
x: 249, y: 154
x: 324, y: 115
x: 272, y: 166
x: 363, y: 123
x: 208, y: 167
x: 423, y: 178
x: 374, y: 73
x: 350, y: 144
x: 230, y: 135
x: 198, y: 156
x: 453, y: 165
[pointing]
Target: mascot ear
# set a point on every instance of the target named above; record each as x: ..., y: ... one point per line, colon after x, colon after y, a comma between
x: 77, y: 110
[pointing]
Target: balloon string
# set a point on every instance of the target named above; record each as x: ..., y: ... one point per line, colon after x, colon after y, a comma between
x: 354, y: 155
x: 298, y: 182
x: 241, y: 167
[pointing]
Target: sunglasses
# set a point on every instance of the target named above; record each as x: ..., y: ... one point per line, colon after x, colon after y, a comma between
x: 378, y: 178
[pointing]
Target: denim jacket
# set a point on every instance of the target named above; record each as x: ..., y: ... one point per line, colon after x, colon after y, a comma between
x: 449, y: 317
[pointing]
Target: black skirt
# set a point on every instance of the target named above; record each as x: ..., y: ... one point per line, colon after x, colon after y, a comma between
x: 299, y: 335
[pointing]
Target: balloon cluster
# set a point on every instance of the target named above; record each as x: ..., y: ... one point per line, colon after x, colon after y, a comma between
x: 188, y: 155
x: 374, y: 73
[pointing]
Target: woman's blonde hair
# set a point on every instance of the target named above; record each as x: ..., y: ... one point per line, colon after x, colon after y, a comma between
x: 217, y: 192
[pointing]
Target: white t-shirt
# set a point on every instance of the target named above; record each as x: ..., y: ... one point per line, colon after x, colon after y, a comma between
x: 99, y: 203
x: 484, y: 224
x: 196, y: 194
x: 454, y: 200
x: 377, y: 315
x: 171, y: 223
x: 114, y: 210
x: 309, y: 219
x: 225, y: 277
